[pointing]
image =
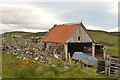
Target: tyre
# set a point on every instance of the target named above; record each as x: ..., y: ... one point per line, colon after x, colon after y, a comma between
x: 101, y: 68
x: 102, y: 63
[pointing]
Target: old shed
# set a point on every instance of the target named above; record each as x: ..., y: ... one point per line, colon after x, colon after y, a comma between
x: 64, y: 39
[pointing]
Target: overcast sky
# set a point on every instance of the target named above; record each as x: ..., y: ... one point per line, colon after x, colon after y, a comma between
x: 41, y: 16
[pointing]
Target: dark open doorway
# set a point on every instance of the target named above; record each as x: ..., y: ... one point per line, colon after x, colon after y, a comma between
x: 99, y: 51
x: 79, y: 47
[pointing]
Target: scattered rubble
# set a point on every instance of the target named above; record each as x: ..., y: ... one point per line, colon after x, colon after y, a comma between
x: 29, y: 51
x: 25, y: 49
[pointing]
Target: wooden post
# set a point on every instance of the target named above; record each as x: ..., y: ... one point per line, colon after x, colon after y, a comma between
x: 109, y: 66
x: 69, y: 57
x: 93, y: 49
x: 106, y: 65
x: 66, y: 52
x: 104, y: 51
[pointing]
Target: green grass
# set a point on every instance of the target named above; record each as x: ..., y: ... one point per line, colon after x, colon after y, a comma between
x: 25, y: 35
x: 13, y: 68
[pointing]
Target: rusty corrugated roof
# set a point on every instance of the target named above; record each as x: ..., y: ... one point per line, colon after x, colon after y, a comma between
x: 61, y: 33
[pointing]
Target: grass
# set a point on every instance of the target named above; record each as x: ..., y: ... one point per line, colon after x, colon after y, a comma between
x: 25, y: 35
x: 13, y: 68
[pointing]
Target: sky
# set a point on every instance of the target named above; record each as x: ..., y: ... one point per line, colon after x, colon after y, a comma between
x: 41, y: 16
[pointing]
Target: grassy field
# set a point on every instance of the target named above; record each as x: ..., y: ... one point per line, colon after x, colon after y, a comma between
x: 25, y: 35
x: 14, y: 68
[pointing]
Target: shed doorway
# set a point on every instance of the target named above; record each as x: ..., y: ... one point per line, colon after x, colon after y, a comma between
x: 79, y: 47
x: 99, y: 51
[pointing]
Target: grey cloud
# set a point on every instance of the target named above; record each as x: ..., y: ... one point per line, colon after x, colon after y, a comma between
x: 92, y: 13
x: 43, y: 15
x: 27, y: 17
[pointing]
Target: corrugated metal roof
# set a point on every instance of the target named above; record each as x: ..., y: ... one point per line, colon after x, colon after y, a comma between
x: 61, y: 33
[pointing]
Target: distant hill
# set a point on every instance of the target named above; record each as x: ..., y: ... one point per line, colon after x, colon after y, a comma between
x: 110, y: 39
x: 23, y: 34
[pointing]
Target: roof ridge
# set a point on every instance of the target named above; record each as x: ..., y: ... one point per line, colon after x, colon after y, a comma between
x: 74, y: 23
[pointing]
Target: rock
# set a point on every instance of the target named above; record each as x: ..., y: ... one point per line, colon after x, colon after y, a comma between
x: 14, y: 53
x: 19, y: 57
x: 41, y: 57
x: 24, y: 58
x: 61, y: 70
x: 25, y: 49
x: 37, y: 58
x: 56, y: 56
x: 66, y: 68
x: 53, y: 65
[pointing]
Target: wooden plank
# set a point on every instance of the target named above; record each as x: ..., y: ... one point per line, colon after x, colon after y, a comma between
x: 66, y: 53
x: 93, y: 49
x: 69, y: 57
